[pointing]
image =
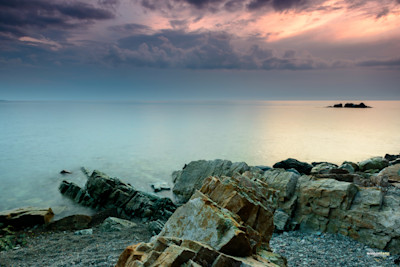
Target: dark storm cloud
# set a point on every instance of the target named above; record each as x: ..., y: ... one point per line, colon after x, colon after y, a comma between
x: 202, y: 50
x: 393, y: 62
x: 131, y: 28
x: 229, y: 5
x: 19, y: 16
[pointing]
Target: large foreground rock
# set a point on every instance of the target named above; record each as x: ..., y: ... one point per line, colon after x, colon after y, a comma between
x: 191, y: 177
x: 102, y: 192
x: 227, y: 223
x: 170, y: 251
x: 26, y: 217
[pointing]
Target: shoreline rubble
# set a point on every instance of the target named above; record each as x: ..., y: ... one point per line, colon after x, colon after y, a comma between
x: 360, y: 201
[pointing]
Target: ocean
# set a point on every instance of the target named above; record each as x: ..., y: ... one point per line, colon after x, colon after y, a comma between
x: 143, y: 143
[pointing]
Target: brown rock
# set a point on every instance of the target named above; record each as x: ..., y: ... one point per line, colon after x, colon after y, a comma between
x: 26, y: 217
x: 180, y: 252
x: 73, y: 222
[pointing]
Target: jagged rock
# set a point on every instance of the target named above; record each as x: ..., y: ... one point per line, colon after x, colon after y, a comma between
x: 202, y: 220
x: 113, y: 224
x: 155, y: 227
x: 166, y: 251
x: 392, y: 173
x: 73, y: 222
x: 104, y: 193
x: 353, y: 164
x: 394, y: 162
x: 249, y: 199
x: 289, y: 163
x: 282, y: 180
x: 26, y: 217
x: 377, y: 163
x: 281, y: 219
x: 191, y: 177
x: 389, y: 157
x: 319, y: 200
x: 323, y: 168
x: 347, y: 166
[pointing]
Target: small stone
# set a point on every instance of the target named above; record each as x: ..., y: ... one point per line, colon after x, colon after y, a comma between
x: 84, y: 232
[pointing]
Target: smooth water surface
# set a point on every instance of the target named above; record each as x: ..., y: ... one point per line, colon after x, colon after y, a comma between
x: 144, y: 142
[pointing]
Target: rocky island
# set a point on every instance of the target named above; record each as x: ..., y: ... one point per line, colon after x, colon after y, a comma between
x: 228, y: 214
x: 349, y: 105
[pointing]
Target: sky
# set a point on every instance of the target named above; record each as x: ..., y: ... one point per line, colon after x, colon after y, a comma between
x: 155, y: 50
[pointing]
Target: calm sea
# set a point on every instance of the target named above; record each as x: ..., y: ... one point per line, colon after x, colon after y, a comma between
x: 144, y: 142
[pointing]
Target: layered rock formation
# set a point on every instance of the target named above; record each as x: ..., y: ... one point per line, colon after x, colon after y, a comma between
x: 226, y: 223
x: 102, y: 192
x: 330, y: 200
x: 191, y: 177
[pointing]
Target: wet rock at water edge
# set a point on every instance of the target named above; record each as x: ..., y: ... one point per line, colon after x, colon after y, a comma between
x: 160, y: 186
x: 302, y: 167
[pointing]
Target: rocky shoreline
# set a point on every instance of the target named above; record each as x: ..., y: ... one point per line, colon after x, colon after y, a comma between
x: 237, y: 213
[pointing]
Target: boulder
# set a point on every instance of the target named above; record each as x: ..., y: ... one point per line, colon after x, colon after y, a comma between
x: 322, y: 168
x: 353, y: 164
x: 347, y: 166
x: 191, y: 177
x: 289, y: 163
x: 113, y: 224
x: 251, y: 200
x: 283, y: 181
x: 102, y: 193
x: 26, y: 217
x: 171, y: 251
x: 377, y: 163
x: 392, y: 173
x: 73, y: 222
x: 202, y: 220
x: 390, y: 157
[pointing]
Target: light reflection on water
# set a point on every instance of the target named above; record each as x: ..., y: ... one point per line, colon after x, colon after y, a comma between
x: 143, y: 143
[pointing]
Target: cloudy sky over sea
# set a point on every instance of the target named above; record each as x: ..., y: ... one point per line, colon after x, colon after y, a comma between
x: 199, y: 49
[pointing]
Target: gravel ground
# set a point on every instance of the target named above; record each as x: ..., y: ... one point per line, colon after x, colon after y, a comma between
x: 302, y: 249
x: 103, y: 249
x: 68, y: 249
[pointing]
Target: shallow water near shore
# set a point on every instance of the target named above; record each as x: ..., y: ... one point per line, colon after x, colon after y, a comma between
x: 144, y: 142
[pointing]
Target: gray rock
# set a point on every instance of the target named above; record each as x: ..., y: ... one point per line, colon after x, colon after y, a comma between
x: 376, y: 163
x: 348, y: 167
x: 289, y: 163
x: 84, y: 232
x: 191, y: 177
x: 323, y: 168
x: 157, y: 187
x: 281, y: 219
x: 113, y: 224
x: 155, y: 227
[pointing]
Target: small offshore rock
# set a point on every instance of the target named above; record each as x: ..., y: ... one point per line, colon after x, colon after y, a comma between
x: 65, y: 172
x: 160, y: 186
x: 84, y: 232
